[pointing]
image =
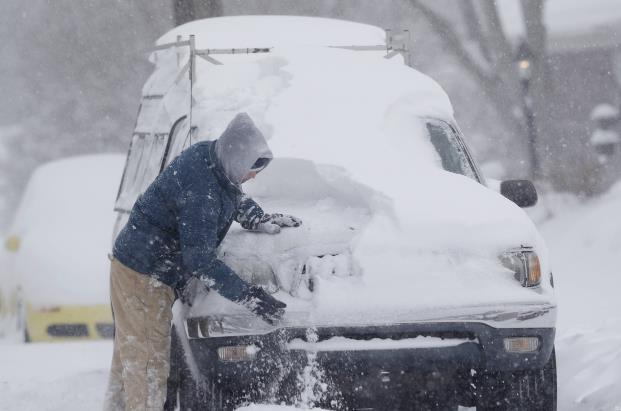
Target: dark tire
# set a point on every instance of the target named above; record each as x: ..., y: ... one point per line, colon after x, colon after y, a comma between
x: 529, y: 390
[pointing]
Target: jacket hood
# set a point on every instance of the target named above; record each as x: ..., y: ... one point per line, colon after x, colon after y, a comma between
x: 240, y: 146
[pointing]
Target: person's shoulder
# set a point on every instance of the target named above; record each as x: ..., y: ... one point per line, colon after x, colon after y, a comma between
x: 200, y: 150
x: 196, y: 156
x: 195, y: 168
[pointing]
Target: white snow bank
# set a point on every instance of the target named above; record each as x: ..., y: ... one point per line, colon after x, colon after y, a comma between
x: 587, y: 246
x: 589, y: 364
x: 65, y: 222
x: 349, y: 344
x: 585, y: 240
x: 54, y: 377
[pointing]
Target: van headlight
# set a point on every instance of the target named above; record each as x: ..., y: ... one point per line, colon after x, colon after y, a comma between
x: 226, y: 326
x: 524, y: 263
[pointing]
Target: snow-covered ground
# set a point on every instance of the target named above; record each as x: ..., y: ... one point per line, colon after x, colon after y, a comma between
x: 585, y: 243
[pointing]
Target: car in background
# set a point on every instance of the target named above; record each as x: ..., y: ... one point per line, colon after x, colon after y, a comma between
x: 412, y: 284
x: 55, y: 276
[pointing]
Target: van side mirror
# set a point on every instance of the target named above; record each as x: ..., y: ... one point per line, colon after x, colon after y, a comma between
x: 521, y: 192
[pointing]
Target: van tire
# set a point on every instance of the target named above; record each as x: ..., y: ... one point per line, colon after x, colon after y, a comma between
x: 527, y: 390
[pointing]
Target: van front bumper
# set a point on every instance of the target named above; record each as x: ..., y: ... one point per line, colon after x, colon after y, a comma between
x: 483, y: 348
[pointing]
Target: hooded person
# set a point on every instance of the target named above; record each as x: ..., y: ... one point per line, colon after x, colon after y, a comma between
x: 171, y: 237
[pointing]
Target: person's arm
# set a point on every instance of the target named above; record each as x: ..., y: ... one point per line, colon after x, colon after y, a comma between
x: 252, y: 217
x: 198, y: 226
x: 248, y: 213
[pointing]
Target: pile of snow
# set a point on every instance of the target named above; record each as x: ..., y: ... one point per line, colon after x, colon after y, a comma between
x: 585, y: 242
x: 53, y: 377
x: 64, y: 223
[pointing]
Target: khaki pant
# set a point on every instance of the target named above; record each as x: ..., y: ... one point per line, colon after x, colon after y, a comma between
x: 140, y: 361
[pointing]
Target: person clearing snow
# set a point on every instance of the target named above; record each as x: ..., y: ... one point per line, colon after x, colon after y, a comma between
x: 171, y: 237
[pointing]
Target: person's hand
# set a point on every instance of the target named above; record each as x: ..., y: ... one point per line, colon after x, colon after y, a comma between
x: 272, y: 223
x: 264, y: 305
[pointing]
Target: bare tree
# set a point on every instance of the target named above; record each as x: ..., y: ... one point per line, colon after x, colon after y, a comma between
x: 540, y: 85
x: 488, y: 56
x: 188, y: 10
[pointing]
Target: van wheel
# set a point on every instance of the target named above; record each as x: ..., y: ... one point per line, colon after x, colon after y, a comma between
x: 529, y: 390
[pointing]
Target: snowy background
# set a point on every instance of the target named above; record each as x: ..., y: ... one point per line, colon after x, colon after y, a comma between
x: 71, y: 78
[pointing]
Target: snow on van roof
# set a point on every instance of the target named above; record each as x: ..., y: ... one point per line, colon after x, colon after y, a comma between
x: 319, y: 103
x: 274, y: 31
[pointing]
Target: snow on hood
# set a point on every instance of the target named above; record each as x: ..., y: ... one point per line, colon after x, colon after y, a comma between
x: 240, y: 146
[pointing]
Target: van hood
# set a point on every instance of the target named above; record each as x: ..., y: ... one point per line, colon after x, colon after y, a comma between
x: 361, y: 255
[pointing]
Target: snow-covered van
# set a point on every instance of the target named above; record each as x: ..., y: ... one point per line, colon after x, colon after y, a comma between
x: 56, y: 268
x: 410, y: 285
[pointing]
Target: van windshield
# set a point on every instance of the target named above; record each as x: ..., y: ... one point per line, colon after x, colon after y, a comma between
x: 447, y: 144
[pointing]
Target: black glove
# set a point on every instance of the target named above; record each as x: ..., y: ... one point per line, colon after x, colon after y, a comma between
x: 190, y: 290
x: 264, y: 305
x: 271, y: 223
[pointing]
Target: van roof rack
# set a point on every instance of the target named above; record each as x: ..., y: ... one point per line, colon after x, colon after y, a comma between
x: 395, y: 44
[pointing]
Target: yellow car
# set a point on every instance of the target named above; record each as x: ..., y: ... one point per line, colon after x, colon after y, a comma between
x: 54, y: 281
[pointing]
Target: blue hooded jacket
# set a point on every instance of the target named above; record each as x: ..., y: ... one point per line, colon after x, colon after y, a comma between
x: 177, y: 224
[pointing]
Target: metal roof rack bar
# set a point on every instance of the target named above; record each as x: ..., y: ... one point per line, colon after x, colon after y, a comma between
x: 248, y: 50
x: 378, y: 47
x: 169, y: 45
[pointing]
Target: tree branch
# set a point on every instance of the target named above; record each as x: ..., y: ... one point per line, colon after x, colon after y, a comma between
x: 475, y: 30
x: 446, y: 32
x: 499, y: 84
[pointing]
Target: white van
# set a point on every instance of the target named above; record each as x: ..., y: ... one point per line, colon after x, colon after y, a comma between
x: 410, y: 285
